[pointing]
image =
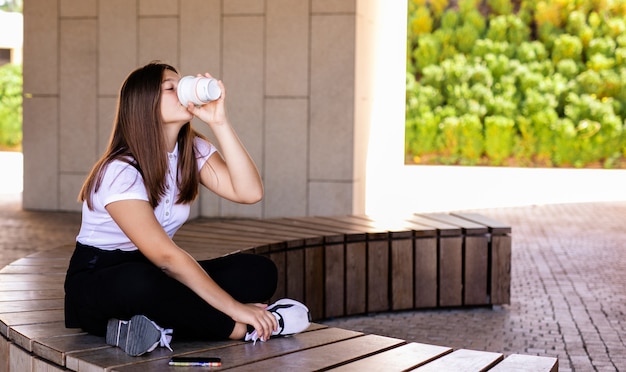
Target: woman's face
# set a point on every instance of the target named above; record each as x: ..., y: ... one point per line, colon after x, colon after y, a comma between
x: 172, y: 111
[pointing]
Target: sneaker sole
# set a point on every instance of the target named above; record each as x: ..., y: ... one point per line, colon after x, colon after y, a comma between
x: 135, y: 337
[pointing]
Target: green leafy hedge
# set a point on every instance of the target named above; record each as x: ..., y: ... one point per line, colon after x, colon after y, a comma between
x: 528, y: 83
x: 10, y: 106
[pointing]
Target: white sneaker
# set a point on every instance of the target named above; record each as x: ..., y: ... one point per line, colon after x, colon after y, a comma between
x: 292, y: 316
x: 138, y: 335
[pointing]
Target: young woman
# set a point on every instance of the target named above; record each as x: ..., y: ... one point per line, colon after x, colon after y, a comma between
x: 126, y: 274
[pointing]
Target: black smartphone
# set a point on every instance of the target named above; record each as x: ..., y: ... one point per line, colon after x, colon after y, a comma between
x: 195, y: 362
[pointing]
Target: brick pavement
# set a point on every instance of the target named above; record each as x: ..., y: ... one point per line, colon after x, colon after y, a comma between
x: 568, y: 291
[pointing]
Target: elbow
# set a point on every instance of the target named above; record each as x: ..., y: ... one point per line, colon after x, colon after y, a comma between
x: 252, y: 194
x: 253, y: 197
x: 166, y: 262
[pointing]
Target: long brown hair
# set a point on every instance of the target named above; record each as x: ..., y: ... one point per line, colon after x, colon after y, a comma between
x: 138, y: 139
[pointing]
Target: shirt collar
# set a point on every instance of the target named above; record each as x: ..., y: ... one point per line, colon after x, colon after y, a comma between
x: 174, y: 153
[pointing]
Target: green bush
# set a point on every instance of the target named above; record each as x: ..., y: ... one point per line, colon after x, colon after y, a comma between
x: 471, y: 142
x: 484, y: 89
x: 10, y: 106
x: 499, y: 138
x: 449, y: 144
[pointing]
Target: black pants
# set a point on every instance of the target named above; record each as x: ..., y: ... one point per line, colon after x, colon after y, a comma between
x: 101, y: 285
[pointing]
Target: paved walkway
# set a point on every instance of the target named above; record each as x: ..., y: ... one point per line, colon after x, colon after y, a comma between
x: 568, y: 292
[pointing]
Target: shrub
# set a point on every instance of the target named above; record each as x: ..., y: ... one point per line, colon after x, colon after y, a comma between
x: 449, y: 145
x: 466, y: 37
x: 565, y: 151
x: 500, y: 7
x: 604, y: 46
x: 471, y: 142
x: 567, y: 47
x: 10, y: 106
x: 489, y: 92
x: 472, y: 17
x: 498, y: 29
x: 422, y: 135
x: 567, y: 68
x: 427, y: 51
x: 499, y: 137
x: 531, y: 51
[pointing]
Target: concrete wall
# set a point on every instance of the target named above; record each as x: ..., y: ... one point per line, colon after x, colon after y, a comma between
x: 297, y: 94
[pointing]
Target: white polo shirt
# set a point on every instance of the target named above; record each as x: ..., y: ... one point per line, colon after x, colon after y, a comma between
x: 122, y: 181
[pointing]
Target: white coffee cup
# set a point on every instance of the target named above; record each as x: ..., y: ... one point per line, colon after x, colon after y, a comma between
x: 198, y: 90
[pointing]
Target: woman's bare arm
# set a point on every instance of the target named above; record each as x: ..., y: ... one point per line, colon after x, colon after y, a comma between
x: 136, y: 218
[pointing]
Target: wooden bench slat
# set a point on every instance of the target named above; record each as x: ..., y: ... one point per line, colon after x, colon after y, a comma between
x: 476, y: 270
x: 29, y: 276
x: 463, y: 360
x: 56, y: 348
x: 236, y: 232
x: 113, y: 358
x: 377, y: 274
x: 53, y: 269
x: 31, y: 286
x: 338, y: 226
x: 468, y: 226
x: 60, y: 259
x: 495, y: 227
x: 501, y: 269
x: 325, y: 356
x: 450, y: 271
x: 278, y: 228
x: 31, y: 305
x: 232, y: 353
x: 355, y: 228
x: 26, y: 335
x: 401, y: 358
x: 25, y: 295
x: 61, y: 252
x: 527, y: 363
x: 402, y: 265
x: 443, y: 229
x: 9, y: 320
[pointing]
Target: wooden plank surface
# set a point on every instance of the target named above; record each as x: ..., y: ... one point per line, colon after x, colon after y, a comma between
x: 31, y: 305
x: 527, y: 363
x: 334, y: 280
x: 26, y: 335
x: 4, y: 353
x: 314, y: 281
x: 426, y: 289
x: 254, y: 356
x: 501, y: 269
x: 450, y: 271
x: 401, y: 272
x: 356, y: 278
x: 57, y: 348
x: 443, y: 229
x: 495, y: 227
x: 463, y: 360
x: 469, y: 227
x: 377, y: 275
x: 476, y: 269
x: 9, y: 320
x: 324, y: 356
x: 401, y: 358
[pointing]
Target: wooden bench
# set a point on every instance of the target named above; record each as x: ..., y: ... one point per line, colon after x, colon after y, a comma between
x: 338, y: 266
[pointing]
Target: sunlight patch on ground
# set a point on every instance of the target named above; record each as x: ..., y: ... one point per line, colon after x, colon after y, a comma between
x: 11, y: 169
